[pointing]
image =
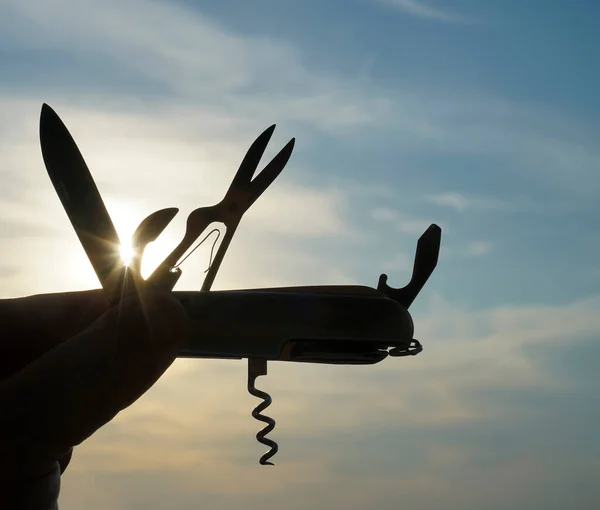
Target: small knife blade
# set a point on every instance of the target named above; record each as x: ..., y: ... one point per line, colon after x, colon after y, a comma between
x: 81, y: 199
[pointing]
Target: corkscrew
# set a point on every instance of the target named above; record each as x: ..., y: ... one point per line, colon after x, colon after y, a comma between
x: 256, y: 368
x: 350, y: 324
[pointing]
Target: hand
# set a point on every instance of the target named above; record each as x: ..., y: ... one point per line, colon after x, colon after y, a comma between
x: 69, y: 364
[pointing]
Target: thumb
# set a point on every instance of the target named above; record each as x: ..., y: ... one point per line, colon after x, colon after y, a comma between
x: 62, y: 398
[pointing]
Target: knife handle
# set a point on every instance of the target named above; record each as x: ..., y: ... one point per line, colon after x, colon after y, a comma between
x: 275, y: 325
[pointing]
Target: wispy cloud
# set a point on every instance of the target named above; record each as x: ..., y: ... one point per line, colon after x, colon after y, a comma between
x: 168, y: 46
x: 478, y: 249
x: 401, y: 262
x: 462, y: 202
x: 261, y: 79
x: 422, y: 9
x: 384, y: 214
x: 401, y: 222
x: 468, y: 250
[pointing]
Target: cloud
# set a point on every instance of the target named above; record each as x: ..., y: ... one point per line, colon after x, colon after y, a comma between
x: 469, y: 250
x: 384, y: 214
x: 462, y: 202
x: 11, y: 229
x: 257, y: 77
x: 401, y: 262
x: 503, y: 332
x: 421, y: 9
x: 262, y: 79
x: 303, y: 211
x: 478, y: 248
x: 545, y: 146
x: 402, y: 223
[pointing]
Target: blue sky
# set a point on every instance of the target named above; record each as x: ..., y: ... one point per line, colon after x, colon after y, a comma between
x: 479, y: 116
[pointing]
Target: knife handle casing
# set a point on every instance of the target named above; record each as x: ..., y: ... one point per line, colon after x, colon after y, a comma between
x: 294, y: 326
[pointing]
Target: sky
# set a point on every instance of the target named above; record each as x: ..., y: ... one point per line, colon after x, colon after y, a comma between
x: 482, y: 117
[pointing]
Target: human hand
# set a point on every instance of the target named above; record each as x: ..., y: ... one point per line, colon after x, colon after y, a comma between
x: 69, y: 365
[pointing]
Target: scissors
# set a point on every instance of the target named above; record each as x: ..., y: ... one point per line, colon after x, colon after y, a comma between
x: 242, y: 193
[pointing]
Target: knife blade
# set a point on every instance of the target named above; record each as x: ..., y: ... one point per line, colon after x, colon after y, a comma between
x: 81, y: 199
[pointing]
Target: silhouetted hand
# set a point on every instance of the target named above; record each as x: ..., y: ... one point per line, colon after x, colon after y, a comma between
x: 68, y: 365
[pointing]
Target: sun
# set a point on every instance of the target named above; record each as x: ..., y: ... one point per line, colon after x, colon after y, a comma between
x: 126, y: 218
x: 126, y: 252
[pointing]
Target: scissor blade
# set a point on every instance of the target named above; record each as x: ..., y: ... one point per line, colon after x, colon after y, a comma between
x: 252, y: 159
x: 264, y: 179
x: 80, y: 197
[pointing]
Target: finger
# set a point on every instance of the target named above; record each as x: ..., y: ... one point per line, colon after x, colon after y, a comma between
x: 64, y: 460
x: 33, y: 325
x: 59, y: 400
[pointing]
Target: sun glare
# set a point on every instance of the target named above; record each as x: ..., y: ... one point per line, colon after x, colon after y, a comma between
x: 126, y: 252
x: 126, y: 218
